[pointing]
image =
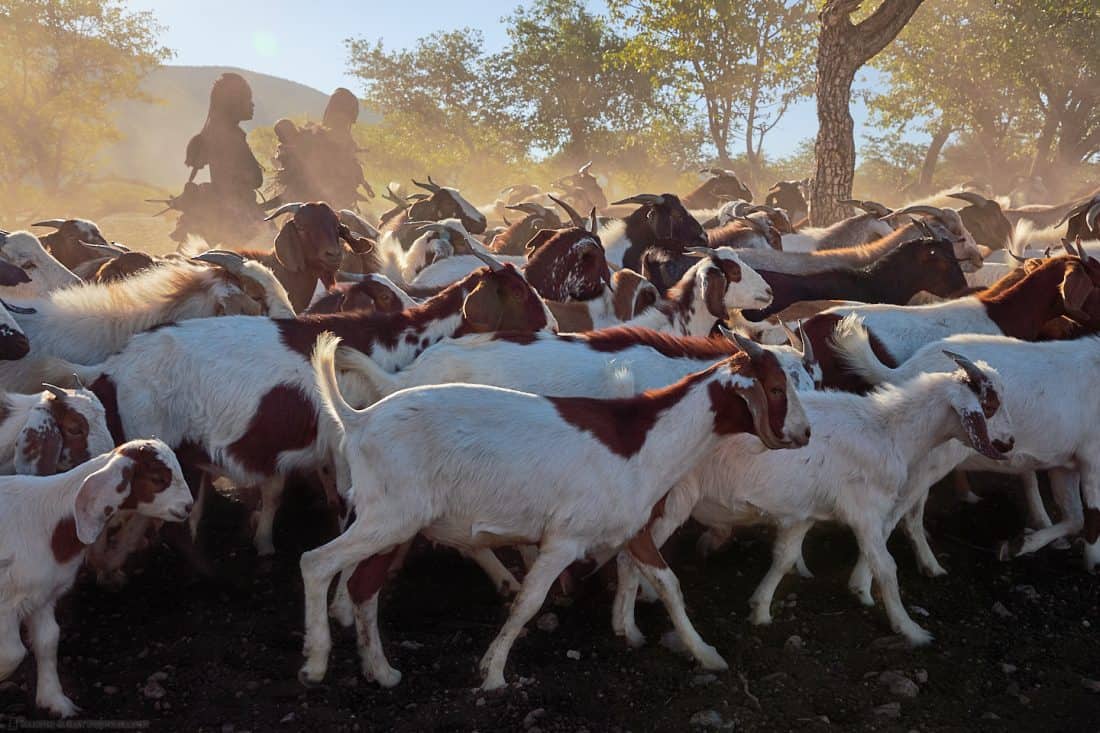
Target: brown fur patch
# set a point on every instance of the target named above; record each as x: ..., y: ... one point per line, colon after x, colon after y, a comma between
x: 368, y: 577
x: 64, y: 542
x: 104, y: 389
x: 147, y: 477
x: 285, y: 420
x: 819, y: 330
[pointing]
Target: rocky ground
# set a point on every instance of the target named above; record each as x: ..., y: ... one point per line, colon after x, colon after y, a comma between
x: 1016, y: 647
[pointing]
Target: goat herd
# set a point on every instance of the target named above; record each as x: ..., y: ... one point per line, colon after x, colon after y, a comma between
x: 717, y: 364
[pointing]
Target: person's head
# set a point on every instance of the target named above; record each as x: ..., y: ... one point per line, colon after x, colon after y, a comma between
x: 231, y: 98
x: 342, y: 110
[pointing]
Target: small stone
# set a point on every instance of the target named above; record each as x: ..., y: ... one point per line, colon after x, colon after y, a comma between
x: 899, y: 684
x: 794, y: 644
x: 919, y: 611
x: 700, y: 680
x: 411, y: 645
x: 153, y: 690
x: 707, y: 719
x: 159, y: 676
x: 480, y: 702
x: 920, y: 675
x: 890, y: 710
x: 573, y: 654
x: 1008, y: 668
x: 547, y: 622
x: 1085, y: 623
x: 288, y: 718
x: 1090, y: 685
x: 532, y: 717
x: 1000, y: 610
x: 110, y: 690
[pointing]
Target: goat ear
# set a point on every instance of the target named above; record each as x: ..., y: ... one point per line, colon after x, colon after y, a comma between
x: 38, y: 449
x: 714, y: 292
x: 541, y: 237
x: 100, y: 496
x: 1075, y: 289
x: 482, y: 309
x: 977, y: 434
x: 288, y: 248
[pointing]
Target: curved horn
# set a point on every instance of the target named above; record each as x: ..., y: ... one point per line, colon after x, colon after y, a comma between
x: 104, y: 248
x: 973, y: 374
x: 528, y: 207
x: 750, y: 347
x: 291, y: 208
x: 1017, y: 257
x: 429, y: 186
x: 1083, y: 206
x: 54, y: 223
x: 1081, y: 249
x: 78, y: 381
x: 917, y: 209
x: 643, y: 199
x: 231, y: 261
x: 807, y: 345
x: 699, y: 251
x: 18, y: 310
x: 792, y: 338
x: 593, y: 226
x: 432, y: 226
x: 970, y: 197
x: 1093, y: 216
x: 583, y: 170
x: 493, y: 263
x: 574, y: 215
x: 1068, y: 247
x: 394, y: 196
x: 741, y: 209
x: 55, y: 390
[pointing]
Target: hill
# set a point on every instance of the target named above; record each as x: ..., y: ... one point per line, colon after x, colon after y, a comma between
x: 154, y: 135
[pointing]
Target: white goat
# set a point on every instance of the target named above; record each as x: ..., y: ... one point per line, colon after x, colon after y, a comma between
x: 853, y: 471
x: 1051, y: 424
x: 51, y: 431
x: 45, y: 273
x: 464, y: 489
x: 46, y: 524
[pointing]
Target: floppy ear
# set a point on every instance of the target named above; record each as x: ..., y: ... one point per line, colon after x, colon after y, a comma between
x: 38, y: 449
x: 714, y: 291
x: 12, y: 275
x: 288, y: 247
x: 100, y: 496
x: 1075, y: 289
x: 977, y: 434
x: 541, y: 237
x: 482, y: 309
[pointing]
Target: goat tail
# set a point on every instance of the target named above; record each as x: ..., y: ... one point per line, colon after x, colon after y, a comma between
x: 378, y: 381
x: 852, y: 345
x: 324, y: 369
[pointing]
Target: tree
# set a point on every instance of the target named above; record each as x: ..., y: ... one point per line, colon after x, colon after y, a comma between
x: 843, y: 48
x: 972, y: 67
x: 562, y: 82
x: 63, y: 65
x: 746, y: 61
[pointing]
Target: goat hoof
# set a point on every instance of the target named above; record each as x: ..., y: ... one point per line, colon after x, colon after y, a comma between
x: 711, y: 660
x: 634, y: 638
x: 493, y: 683
x: 310, y: 678
x: 917, y: 636
x: 61, y: 707
x: 386, y: 678
x: 933, y: 571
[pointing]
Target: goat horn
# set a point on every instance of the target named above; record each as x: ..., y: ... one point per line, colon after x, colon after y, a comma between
x: 807, y: 345
x: 1093, y: 216
x: 741, y: 208
x: 594, y: 222
x: 699, y: 251
x: 78, y: 381
x: 55, y: 223
x: 643, y: 199
x: 583, y: 170
x: 974, y: 375
x: 970, y: 197
x: 917, y: 209
x: 231, y: 261
x: 1081, y: 249
x: 1068, y: 247
x: 574, y: 215
x: 18, y: 310
x: 792, y: 338
x: 429, y: 186
x: 750, y: 347
x: 1017, y: 257
x: 106, y: 249
x: 434, y: 226
x: 55, y: 390
x: 291, y: 208
x: 493, y: 263
x: 1083, y: 206
x: 528, y: 207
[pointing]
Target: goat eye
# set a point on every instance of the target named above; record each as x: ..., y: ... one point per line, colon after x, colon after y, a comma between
x: 28, y: 265
x: 776, y: 391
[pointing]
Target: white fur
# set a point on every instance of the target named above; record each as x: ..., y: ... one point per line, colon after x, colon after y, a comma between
x: 31, y: 507
x: 26, y: 413
x: 25, y: 251
x: 422, y: 461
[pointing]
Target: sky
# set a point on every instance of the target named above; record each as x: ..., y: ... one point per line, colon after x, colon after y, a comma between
x: 303, y: 40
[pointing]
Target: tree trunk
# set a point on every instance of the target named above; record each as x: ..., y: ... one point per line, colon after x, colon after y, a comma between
x: 931, y: 157
x: 841, y: 50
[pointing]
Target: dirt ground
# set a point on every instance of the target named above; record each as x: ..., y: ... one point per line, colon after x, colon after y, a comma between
x: 1016, y: 644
